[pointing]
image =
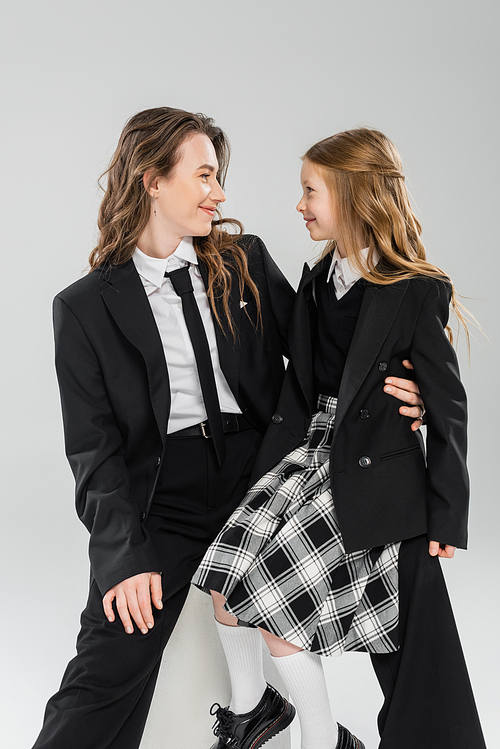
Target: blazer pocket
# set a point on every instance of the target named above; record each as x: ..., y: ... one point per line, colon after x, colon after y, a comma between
x: 400, y: 453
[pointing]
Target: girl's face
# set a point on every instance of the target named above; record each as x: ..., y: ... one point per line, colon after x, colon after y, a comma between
x: 317, y: 205
x: 185, y: 202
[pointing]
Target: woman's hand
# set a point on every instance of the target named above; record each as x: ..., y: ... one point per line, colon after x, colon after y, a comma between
x: 441, y: 550
x: 133, y: 599
x: 407, y: 391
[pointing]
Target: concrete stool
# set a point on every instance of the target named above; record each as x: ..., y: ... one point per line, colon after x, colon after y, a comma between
x: 193, y: 675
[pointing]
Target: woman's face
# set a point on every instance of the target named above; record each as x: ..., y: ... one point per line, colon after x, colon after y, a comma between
x: 185, y: 202
x: 317, y: 205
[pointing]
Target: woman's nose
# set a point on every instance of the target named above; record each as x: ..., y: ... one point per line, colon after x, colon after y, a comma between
x: 218, y: 194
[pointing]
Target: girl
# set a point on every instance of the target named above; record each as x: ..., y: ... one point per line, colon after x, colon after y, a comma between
x: 335, y: 547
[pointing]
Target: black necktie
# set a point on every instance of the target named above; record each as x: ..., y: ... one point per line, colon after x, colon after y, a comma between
x: 181, y: 281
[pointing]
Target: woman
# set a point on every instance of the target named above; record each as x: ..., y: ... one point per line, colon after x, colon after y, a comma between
x: 328, y: 552
x: 150, y: 487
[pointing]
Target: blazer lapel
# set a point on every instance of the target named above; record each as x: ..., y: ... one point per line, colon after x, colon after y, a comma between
x: 227, y: 345
x: 126, y: 300
x: 301, y: 346
x: 377, y: 314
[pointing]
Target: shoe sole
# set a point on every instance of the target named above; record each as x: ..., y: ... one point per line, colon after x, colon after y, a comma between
x: 279, y: 725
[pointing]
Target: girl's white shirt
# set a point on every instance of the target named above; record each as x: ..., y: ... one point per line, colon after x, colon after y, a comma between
x: 344, y: 276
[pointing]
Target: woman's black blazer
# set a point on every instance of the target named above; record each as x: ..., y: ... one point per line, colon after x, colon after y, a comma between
x: 115, y: 395
x: 384, y: 489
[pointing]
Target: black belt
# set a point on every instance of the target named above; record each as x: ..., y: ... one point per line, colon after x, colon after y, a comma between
x: 230, y: 423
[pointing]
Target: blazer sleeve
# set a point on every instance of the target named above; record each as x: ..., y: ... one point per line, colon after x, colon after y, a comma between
x: 437, y: 373
x: 119, y: 545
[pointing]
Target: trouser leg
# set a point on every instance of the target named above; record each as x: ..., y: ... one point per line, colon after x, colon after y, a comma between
x: 428, y: 697
x: 107, y: 688
x: 130, y: 734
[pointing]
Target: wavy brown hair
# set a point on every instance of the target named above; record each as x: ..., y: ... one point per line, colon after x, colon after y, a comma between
x: 363, y: 170
x: 151, y: 142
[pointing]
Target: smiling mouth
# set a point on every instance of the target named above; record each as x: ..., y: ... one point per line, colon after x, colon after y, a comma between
x: 309, y: 221
x: 209, y: 211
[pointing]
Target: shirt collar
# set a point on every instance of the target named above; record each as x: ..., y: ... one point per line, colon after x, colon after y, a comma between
x: 344, y: 270
x: 152, y: 269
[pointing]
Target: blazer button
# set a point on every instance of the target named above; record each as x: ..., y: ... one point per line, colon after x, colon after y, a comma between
x: 277, y: 419
x: 142, y: 516
x: 364, y: 461
x: 382, y: 367
x: 364, y: 413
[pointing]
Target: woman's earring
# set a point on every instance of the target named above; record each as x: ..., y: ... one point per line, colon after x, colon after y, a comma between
x: 154, y: 205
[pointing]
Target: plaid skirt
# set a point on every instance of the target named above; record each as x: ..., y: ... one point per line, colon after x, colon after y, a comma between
x: 281, y: 565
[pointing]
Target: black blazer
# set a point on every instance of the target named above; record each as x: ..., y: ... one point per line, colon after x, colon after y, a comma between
x: 115, y: 395
x: 383, y: 489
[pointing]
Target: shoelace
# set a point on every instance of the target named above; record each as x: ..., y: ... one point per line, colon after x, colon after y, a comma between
x: 223, y: 724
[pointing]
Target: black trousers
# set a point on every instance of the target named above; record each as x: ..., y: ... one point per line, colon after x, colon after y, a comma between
x: 106, y: 691
x: 428, y: 697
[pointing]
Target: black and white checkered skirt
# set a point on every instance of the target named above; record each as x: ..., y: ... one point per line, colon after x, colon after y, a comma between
x: 280, y: 560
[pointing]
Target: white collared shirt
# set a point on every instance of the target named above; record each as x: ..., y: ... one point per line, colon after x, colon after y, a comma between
x: 187, y: 407
x: 344, y: 276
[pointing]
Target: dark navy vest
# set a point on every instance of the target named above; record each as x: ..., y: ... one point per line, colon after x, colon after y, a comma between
x: 337, y: 320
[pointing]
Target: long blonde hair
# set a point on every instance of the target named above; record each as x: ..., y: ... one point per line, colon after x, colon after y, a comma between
x: 363, y: 170
x: 151, y: 141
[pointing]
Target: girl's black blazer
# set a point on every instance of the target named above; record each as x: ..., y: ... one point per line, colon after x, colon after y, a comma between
x: 115, y: 394
x: 384, y: 489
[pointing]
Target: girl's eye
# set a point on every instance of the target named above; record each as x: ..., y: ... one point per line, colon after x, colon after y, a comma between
x: 309, y: 190
x: 205, y: 176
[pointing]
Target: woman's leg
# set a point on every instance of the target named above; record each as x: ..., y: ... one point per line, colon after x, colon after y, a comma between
x: 106, y: 690
x: 428, y: 696
x: 243, y: 650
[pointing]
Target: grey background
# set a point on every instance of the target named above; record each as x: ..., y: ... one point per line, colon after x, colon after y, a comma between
x: 277, y: 76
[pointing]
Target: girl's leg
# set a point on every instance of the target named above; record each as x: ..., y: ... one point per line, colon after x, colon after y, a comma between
x: 243, y: 650
x: 221, y: 615
x: 302, y: 672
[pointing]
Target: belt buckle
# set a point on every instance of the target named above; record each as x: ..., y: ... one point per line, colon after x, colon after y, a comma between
x: 202, y: 427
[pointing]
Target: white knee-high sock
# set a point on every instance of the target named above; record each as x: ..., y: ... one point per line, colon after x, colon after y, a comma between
x: 303, y: 675
x: 243, y: 650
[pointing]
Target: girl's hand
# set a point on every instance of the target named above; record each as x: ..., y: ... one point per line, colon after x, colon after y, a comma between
x: 441, y: 550
x: 407, y: 391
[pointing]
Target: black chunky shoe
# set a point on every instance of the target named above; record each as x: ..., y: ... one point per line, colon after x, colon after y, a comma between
x: 347, y: 740
x: 251, y: 730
